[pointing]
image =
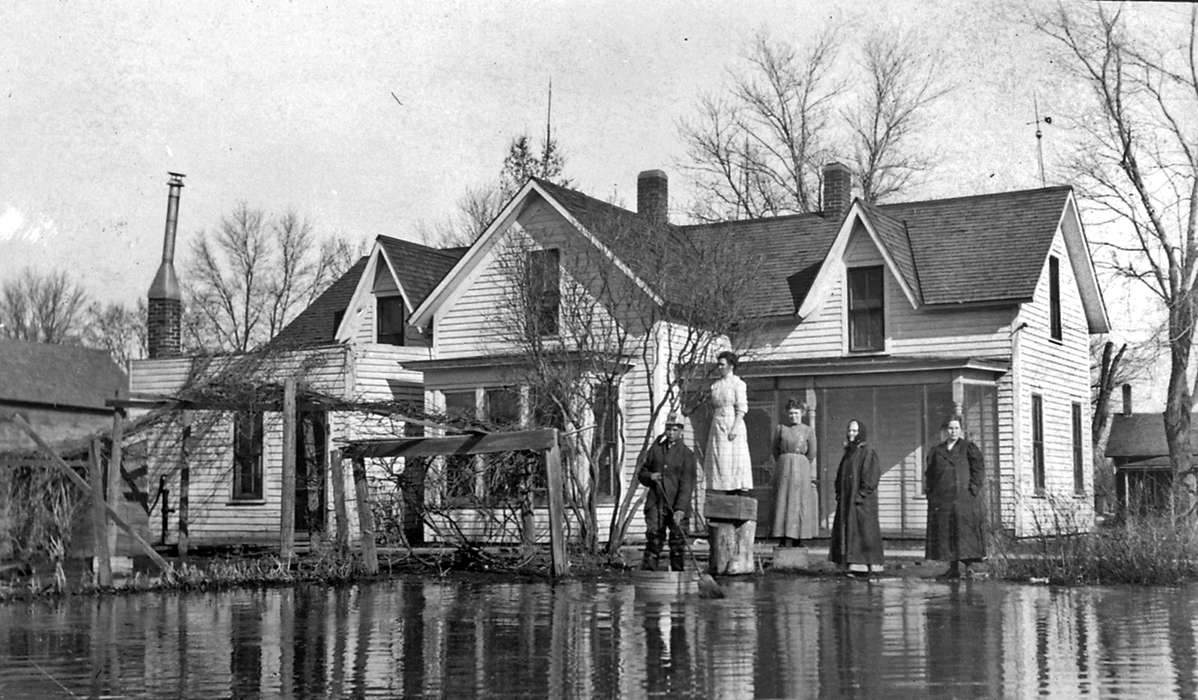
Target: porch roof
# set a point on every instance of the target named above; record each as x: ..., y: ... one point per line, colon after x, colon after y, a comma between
x: 872, y: 365
x: 623, y: 362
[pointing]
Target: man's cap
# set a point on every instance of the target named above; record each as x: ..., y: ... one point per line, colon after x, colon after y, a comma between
x: 674, y: 420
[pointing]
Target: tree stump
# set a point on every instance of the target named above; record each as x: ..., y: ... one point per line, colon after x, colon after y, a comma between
x: 731, y: 531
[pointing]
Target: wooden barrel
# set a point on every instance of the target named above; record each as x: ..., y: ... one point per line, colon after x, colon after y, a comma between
x: 666, y: 583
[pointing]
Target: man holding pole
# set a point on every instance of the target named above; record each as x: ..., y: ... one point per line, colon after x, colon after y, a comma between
x: 669, y: 469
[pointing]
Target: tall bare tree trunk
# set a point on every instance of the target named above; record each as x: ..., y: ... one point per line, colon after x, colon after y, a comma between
x: 1178, y: 400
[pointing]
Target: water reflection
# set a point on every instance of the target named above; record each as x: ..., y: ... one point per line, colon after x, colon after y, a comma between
x: 773, y: 637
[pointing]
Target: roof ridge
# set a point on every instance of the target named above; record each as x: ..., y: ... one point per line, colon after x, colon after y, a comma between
x: 964, y: 197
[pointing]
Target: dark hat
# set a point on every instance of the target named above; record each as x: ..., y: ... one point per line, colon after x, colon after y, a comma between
x: 674, y: 419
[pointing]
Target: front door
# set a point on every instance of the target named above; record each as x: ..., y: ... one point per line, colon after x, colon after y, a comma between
x: 311, y: 446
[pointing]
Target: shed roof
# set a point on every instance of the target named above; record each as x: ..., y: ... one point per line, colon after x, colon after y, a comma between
x: 63, y: 376
x: 1142, y: 436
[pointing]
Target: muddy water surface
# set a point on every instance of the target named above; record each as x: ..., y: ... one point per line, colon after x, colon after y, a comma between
x: 771, y: 637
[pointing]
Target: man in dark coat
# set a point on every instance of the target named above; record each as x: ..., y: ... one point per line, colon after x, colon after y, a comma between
x: 669, y: 469
x: 954, y: 479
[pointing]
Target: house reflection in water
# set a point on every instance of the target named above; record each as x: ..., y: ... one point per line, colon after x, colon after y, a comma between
x: 772, y: 637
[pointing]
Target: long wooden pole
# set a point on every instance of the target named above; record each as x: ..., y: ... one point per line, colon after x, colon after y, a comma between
x: 102, y: 574
x: 338, y: 476
x: 287, y: 496
x: 57, y: 461
x: 114, y: 471
x: 365, y: 517
x: 183, y: 497
x: 553, y: 482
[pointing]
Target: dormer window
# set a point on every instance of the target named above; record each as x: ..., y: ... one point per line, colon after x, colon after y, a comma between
x: 867, y: 320
x: 390, y: 318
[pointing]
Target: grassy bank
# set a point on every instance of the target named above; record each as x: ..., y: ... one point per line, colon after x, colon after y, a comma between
x: 1149, y: 550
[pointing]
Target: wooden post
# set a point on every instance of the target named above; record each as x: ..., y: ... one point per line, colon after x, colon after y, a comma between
x: 553, y: 481
x: 731, y: 528
x: 184, y: 487
x: 365, y: 517
x: 102, y: 571
x: 342, y: 518
x: 57, y: 461
x: 287, y: 497
x: 114, y: 470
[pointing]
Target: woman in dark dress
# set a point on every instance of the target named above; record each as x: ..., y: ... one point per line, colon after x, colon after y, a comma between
x: 956, y: 513
x: 796, y: 503
x: 856, y: 537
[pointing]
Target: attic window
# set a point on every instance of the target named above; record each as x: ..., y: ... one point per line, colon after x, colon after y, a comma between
x: 867, y: 319
x: 544, y: 291
x: 1054, y: 297
x: 390, y: 318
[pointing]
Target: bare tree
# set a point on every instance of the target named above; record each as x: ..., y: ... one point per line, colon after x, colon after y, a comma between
x: 117, y: 328
x: 1139, y: 162
x: 478, y: 206
x: 253, y: 274
x: 759, y: 150
x: 42, y: 307
x: 903, y: 81
x: 584, y: 324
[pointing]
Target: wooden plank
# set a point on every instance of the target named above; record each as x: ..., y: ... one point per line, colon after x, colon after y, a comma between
x: 342, y: 518
x: 114, y: 471
x: 287, y: 494
x: 482, y: 443
x: 557, y: 538
x: 58, y: 462
x: 102, y: 573
x: 370, y: 555
x: 730, y: 507
x: 184, y: 488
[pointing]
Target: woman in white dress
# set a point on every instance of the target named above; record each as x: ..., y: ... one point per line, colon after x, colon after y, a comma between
x: 729, y: 467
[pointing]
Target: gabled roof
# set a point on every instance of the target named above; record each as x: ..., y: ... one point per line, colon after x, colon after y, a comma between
x: 63, y: 376
x: 1142, y: 435
x: 980, y: 249
x: 315, y: 324
x: 419, y: 268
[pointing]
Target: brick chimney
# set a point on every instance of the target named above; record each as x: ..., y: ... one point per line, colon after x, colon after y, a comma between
x: 1127, y: 399
x: 653, y: 196
x: 165, y: 302
x: 838, y: 189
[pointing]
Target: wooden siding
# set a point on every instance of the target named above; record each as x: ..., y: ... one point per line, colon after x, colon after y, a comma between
x: 1059, y: 372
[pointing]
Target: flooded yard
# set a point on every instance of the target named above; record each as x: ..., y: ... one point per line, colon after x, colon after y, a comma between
x: 771, y: 637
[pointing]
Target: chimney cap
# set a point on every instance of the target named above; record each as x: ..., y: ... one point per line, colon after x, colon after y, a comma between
x: 654, y: 174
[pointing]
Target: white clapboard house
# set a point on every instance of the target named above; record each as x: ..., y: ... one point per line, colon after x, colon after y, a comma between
x: 897, y: 315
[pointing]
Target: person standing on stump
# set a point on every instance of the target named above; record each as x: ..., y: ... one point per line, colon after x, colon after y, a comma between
x: 954, y: 479
x: 669, y: 470
x: 856, y: 536
x: 796, y: 506
x: 729, y: 467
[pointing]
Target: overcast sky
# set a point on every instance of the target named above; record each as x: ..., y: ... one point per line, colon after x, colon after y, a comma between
x: 289, y: 105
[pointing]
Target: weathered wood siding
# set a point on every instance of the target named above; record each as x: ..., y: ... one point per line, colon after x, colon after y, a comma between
x: 1058, y: 371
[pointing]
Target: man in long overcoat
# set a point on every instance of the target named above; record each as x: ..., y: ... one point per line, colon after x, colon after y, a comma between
x: 669, y: 469
x: 955, y: 477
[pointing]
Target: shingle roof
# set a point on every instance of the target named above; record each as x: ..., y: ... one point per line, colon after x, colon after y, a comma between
x: 979, y: 248
x: 314, y: 325
x: 988, y: 247
x: 1143, y: 435
x: 59, y: 375
x: 419, y: 267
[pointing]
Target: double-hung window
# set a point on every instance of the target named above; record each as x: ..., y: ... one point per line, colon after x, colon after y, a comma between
x: 391, y: 316
x: 247, y: 456
x: 544, y: 281
x: 867, y: 319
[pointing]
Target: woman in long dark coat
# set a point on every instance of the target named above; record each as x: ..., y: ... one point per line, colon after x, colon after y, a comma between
x: 856, y: 537
x: 956, y: 512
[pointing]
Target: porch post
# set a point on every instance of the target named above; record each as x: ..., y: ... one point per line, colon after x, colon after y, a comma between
x: 287, y: 496
x: 184, y: 486
x: 102, y: 564
x: 553, y: 481
x: 342, y: 518
x: 959, y: 397
x: 370, y: 555
x: 114, y: 470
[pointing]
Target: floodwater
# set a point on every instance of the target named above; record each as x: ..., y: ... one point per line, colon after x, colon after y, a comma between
x: 771, y: 637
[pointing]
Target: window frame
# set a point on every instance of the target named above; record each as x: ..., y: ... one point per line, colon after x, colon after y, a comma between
x: 544, y: 290
x: 870, y: 307
x: 1079, y: 473
x: 606, y: 395
x: 1055, y: 331
x: 390, y: 299
x: 254, y: 459
x: 1039, y: 476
